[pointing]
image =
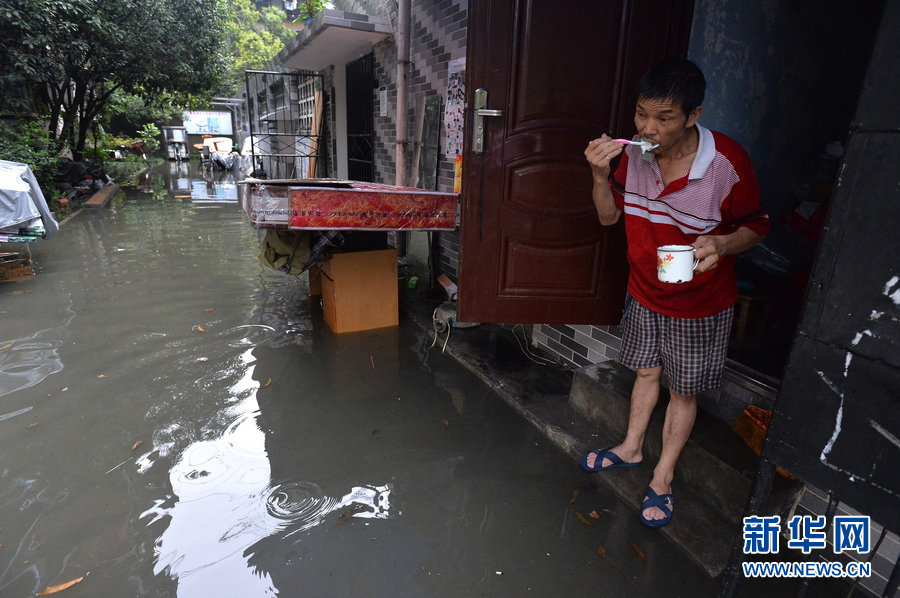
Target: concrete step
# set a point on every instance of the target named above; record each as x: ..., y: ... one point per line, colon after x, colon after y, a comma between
x: 713, y: 477
x: 601, y: 392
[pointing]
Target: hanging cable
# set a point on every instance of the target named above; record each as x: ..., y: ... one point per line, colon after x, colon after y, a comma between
x: 439, y: 327
x: 538, y: 359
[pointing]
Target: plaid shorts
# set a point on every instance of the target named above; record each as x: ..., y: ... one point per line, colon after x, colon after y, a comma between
x: 691, y: 351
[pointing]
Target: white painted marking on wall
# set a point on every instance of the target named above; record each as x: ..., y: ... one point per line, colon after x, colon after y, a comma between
x: 859, y: 336
x: 895, y: 296
x: 838, y: 419
x: 891, y: 438
x: 830, y: 383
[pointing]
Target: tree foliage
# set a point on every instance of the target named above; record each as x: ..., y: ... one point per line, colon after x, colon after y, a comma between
x: 253, y: 37
x: 129, y: 110
x: 77, y: 53
x: 28, y: 142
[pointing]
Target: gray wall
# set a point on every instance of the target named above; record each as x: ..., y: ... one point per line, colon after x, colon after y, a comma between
x: 783, y: 78
x: 437, y: 36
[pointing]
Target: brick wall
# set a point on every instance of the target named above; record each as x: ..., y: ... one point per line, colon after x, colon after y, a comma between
x: 437, y: 36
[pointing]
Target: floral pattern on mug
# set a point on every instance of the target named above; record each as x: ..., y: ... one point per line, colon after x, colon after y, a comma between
x: 661, y: 263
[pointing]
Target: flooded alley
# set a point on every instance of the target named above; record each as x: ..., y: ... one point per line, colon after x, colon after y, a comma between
x: 177, y: 420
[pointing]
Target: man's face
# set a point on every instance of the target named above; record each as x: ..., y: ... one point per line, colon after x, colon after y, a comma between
x: 663, y: 121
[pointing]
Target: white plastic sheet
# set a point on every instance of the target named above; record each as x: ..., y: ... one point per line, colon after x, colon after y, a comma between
x: 21, y: 199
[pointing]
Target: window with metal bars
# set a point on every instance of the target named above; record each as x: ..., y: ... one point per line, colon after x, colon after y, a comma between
x: 286, y: 120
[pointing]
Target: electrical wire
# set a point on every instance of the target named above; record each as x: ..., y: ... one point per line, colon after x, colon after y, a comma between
x: 538, y: 359
x: 439, y: 326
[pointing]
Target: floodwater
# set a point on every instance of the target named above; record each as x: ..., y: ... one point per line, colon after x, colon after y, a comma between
x: 177, y: 420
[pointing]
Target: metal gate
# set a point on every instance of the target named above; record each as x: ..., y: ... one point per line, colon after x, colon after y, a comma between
x: 286, y: 113
x: 361, y: 119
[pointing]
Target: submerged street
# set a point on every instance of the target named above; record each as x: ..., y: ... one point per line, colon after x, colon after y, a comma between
x: 177, y: 420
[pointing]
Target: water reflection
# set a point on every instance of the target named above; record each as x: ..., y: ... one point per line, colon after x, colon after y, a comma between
x: 186, y: 180
x: 221, y: 189
x: 180, y: 176
x: 202, y: 502
x: 223, y: 500
x: 28, y: 360
x: 213, y: 513
x: 202, y: 186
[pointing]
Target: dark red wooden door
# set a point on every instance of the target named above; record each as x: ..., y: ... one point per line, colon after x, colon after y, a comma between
x: 562, y: 72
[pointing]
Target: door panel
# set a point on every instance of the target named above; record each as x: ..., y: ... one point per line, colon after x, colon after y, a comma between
x: 563, y: 72
x: 525, y: 265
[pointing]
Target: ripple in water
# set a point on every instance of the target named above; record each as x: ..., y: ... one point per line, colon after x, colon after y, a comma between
x: 304, y: 504
x: 249, y: 335
x: 25, y: 364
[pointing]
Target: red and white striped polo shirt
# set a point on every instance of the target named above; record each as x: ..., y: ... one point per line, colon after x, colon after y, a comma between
x: 719, y: 190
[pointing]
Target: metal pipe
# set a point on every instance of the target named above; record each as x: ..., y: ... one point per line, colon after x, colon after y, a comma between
x: 402, y: 91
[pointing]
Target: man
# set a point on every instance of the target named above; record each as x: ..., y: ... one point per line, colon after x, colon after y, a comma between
x: 695, y: 187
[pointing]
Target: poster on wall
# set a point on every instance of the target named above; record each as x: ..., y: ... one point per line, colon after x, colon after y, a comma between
x: 205, y: 122
x: 454, y: 108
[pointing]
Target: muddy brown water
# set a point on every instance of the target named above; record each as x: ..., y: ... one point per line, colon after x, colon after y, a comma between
x: 177, y: 420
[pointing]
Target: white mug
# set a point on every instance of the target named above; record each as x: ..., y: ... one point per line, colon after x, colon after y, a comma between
x: 675, y: 263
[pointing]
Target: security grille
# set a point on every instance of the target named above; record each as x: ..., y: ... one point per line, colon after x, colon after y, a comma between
x: 286, y: 114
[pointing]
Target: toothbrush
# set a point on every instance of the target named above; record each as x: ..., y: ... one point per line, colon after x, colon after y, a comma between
x: 646, y: 146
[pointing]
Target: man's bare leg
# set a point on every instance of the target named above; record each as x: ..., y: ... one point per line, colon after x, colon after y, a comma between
x: 680, y: 416
x: 644, y: 395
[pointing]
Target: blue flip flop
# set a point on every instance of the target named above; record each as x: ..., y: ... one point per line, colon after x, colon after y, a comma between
x: 660, y: 501
x: 615, y: 460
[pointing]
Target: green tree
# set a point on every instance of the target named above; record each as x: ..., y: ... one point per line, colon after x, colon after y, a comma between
x: 28, y: 142
x: 129, y: 110
x: 79, y: 52
x: 253, y: 37
x: 150, y: 136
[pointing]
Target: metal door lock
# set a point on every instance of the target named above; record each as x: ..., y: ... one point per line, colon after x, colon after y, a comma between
x: 481, y: 110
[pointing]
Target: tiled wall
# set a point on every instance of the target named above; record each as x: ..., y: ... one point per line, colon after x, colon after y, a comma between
x: 437, y: 36
x: 578, y: 345
x: 581, y: 345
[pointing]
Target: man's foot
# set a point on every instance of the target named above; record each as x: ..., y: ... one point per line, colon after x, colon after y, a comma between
x: 657, y: 508
x: 603, y: 459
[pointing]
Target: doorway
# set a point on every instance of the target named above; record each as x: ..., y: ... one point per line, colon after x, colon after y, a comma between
x: 361, y: 119
x: 793, y: 117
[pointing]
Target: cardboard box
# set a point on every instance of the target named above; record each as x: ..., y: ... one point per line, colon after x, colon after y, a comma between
x: 315, y: 281
x: 359, y: 290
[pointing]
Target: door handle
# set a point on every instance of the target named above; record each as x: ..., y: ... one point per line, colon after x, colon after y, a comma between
x: 481, y: 111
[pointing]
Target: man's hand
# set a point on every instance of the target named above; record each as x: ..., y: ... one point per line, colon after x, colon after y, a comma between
x: 599, y: 153
x: 709, y: 248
